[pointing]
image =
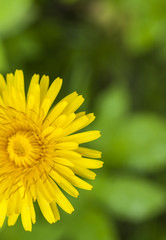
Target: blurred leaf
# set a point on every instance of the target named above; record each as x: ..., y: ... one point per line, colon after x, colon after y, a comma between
x: 94, y: 226
x: 3, y: 58
x: 80, y: 78
x: 131, y: 198
x: 112, y: 104
x: 91, y: 224
x: 146, y: 23
x: 111, y: 107
x: 103, y: 12
x: 14, y: 15
x: 150, y: 231
x: 28, y: 44
x: 140, y: 143
x: 41, y: 230
x: 68, y: 1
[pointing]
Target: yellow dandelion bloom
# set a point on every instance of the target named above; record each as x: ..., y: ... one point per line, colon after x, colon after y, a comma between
x: 39, y: 149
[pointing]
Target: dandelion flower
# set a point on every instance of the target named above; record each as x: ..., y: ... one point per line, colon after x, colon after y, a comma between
x: 40, y: 152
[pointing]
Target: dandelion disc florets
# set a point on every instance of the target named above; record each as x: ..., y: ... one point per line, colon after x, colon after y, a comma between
x: 39, y: 149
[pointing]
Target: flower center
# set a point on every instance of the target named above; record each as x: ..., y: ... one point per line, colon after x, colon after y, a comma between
x: 23, y: 148
x: 20, y: 145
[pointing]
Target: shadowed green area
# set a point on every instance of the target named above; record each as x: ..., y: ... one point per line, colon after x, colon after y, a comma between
x: 114, y: 53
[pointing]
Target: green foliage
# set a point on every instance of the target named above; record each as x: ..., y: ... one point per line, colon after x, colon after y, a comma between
x: 111, y: 108
x: 41, y: 230
x: 150, y: 231
x: 131, y: 198
x: 142, y: 139
x: 14, y: 15
x: 3, y: 58
x: 90, y: 223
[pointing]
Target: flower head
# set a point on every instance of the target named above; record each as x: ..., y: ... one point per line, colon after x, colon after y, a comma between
x: 39, y: 149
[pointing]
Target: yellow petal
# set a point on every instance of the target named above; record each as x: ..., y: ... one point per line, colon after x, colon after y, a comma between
x: 10, y: 81
x: 19, y: 79
x: 82, y: 137
x: 67, y: 154
x: 47, y: 131
x: 78, y: 182
x: 44, y: 83
x: 55, y: 211
x: 61, y: 200
x: 54, y: 89
x: 26, y: 216
x: 46, y: 210
x: 69, y: 120
x: 33, y: 102
x: 87, y: 163
x: 69, y: 98
x: 2, y: 84
x: 55, y: 134
x: 74, y: 105
x: 3, y: 208
x: 14, y: 204
x: 55, y: 112
x: 51, y: 95
x: 12, y: 219
x: 83, y: 172
x: 63, y: 161
x: 42, y: 192
x: 59, y: 121
x: 31, y: 208
x: 80, y: 114
x: 34, y: 81
x: 63, y: 169
x: 67, y: 145
x: 64, y: 184
x: 77, y: 125
x: 87, y: 152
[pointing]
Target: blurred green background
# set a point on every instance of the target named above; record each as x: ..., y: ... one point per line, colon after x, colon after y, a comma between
x: 114, y: 53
